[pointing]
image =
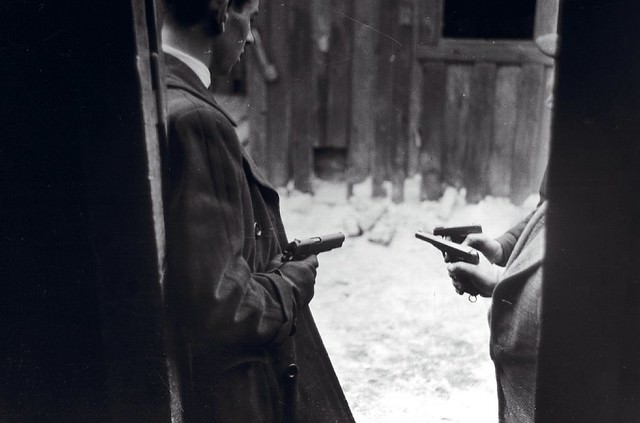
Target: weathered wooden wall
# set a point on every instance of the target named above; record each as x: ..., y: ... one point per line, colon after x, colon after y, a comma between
x: 376, y: 86
x: 484, y: 108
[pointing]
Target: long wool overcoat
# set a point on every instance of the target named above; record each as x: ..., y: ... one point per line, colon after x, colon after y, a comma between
x: 245, y: 352
x: 515, y: 322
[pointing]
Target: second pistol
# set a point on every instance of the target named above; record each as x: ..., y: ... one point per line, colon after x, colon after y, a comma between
x: 457, y: 234
x: 452, y: 251
x: 299, y: 249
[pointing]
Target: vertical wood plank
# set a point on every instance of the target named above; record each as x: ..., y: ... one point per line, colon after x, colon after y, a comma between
x: 339, y: 74
x: 527, y: 132
x: 321, y: 29
x: 278, y: 94
x: 382, y: 105
x: 504, y: 130
x: 547, y: 13
x: 546, y: 21
x: 542, y: 152
x: 428, y: 30
x: 414, y: 110
x: 401, y: 97
x: 303, y: 135
x: 483, y: 88
x: 432, y: 129
x: 361, y: 139
x: 429, y: 20
x: 456, y: 117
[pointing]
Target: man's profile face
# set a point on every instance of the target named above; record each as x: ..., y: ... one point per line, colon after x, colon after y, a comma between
x: 228, y: 47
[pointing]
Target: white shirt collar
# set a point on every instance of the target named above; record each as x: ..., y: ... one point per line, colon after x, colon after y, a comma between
x: 199, y: 68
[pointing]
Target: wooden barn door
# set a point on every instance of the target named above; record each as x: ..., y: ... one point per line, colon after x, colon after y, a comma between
x: 343, y: 71
x: 486, y: 98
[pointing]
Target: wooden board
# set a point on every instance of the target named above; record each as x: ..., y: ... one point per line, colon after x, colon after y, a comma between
x: 382, y: 107
x: 480, y: 131
x: 527, y: 132
x: 546, y: 17
x: 414, y: 117
x: 362, y: 128
x: 278, y: 93
x: 431, y: 127
x: 303, y: 134
x: 457, y: 107
x: 429, y: 22
x: 504, y: 131
x: 401, y: 96
x: 468, y: 51
x: 544, y: 140
x: 321, y: 30
x: 339, y: 58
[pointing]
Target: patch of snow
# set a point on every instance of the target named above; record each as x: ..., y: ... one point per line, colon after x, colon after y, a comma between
x: 405, y: 346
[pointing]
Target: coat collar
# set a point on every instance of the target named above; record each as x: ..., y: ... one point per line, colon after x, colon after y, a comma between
x: 180, y: 76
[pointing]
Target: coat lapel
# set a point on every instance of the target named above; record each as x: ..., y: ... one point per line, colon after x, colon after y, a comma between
x: 180, y: 76
x: 257, y: 175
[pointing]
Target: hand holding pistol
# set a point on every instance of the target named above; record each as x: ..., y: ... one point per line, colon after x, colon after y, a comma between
x: 299, y: 249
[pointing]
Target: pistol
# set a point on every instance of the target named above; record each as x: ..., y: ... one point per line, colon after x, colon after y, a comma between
x: 299, y: 249
x: 451, y: 250
x: 457, y: 234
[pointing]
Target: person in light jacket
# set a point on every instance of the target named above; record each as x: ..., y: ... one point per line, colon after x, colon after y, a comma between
x: 516, y: 295
x: 514, y: 318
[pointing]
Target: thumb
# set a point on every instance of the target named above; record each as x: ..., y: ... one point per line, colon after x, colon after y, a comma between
x: 475, y: 240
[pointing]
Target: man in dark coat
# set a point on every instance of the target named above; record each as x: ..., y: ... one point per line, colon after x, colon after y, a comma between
x: 248, y: 349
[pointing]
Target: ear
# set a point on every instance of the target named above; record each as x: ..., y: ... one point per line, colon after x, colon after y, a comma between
x: 220, y: 10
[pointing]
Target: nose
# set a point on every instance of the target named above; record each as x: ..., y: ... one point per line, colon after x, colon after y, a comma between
x: 250, y: 38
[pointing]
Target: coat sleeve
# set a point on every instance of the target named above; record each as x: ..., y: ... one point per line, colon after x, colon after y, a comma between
x: 509, y: 238
x: 214, y: 292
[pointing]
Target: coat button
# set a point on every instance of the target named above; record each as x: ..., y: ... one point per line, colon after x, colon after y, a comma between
x: 257, y: 230
x: 291, y: 372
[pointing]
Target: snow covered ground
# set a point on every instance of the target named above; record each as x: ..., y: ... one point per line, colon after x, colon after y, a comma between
x: 405, y: 346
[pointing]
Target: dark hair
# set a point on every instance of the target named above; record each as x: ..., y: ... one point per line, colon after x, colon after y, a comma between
x: 238, y: 4
x: 188, y: 13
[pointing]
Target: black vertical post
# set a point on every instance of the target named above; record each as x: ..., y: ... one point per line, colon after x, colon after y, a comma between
x: 82, y: 335
x: 589, y: 369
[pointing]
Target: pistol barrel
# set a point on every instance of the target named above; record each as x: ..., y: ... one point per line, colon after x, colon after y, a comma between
x: 453, y: 251
x: 457, y: 233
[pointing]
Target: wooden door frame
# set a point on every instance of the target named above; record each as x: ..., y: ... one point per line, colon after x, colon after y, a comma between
x: 433, y: 46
